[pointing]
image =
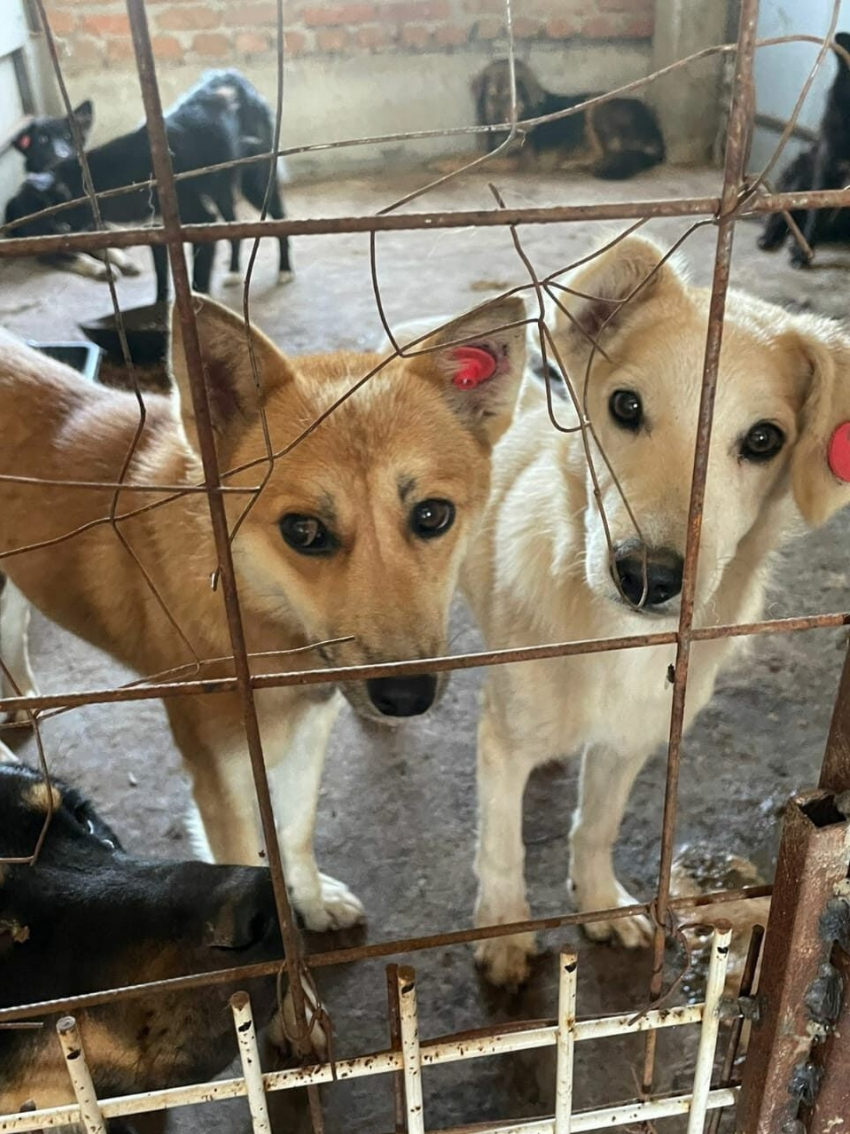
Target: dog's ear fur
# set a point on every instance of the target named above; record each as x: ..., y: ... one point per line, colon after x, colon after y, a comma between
x: 486, y: 408
x: 628, y: 269
x: 231, y: 388
x: 84, y: 114
x: 824, y: 352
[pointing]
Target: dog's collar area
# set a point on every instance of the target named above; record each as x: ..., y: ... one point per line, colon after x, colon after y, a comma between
x: 476, y: 365
x: 838, y: 453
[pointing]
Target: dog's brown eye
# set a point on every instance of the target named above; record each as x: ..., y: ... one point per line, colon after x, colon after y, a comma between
x: 762, y: 442
x: 431, y: 518
x: 626, y: 408
x: 307, y: 535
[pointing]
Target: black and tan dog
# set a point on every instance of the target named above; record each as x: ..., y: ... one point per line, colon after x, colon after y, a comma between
x: 614, y: 140
x: 88, y: 916
x: 825, y: 165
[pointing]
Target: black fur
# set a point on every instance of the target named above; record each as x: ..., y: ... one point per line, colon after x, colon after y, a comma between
x: 88, y: 916
x: 220, y: 119
x: 825, y: 165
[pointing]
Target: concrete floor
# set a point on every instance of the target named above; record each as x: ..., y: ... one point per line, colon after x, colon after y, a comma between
x: 760, y: 740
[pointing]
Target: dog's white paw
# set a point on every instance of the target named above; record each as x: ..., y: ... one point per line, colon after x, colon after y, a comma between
x: 285, y: 277
x: 504, y: 961
x: 283, y: 1027
x: 130, y: 267
x: 231, y: 279
x: 336, y: 908
x: 634, y: 932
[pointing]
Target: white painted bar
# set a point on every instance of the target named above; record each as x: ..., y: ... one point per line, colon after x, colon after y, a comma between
x: 714, y: 985
x: 565, y: 1042
x: 249, y: 1054
x: 410, y: 1050
x: 75, y: 1060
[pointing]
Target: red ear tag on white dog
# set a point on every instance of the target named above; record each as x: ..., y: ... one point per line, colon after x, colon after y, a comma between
x: 838, y: 453
x: 476, y: 366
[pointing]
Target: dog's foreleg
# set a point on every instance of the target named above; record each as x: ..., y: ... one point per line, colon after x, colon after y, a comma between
x: 84, y: 264
x: 606, y: 780
x: 500, y: 857
x: 295, y: 777
x: 14, y: 623
x: 809, y: 225
x: 119, y: 260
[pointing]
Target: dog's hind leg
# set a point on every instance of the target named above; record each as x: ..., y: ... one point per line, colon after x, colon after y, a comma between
x: 295, y: 774
x: 500, y: 858
x: 14, y: 623
x: 607, y: 775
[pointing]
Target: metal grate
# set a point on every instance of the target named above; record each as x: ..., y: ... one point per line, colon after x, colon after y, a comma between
x: 739, y: 197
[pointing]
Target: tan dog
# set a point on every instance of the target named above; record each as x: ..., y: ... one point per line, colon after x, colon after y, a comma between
x: 359, y: 531
x: 541, y: 570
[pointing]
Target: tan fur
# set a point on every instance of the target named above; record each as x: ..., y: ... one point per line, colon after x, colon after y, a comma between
x: 36, y: 797
x: 539, y: 571
x: 390, y: 591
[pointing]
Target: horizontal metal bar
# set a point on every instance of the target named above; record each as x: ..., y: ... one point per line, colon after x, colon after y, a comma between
x: 403, y: 222
x: 433, y: 1053
x: 370, y: 951
x: 447, y: 663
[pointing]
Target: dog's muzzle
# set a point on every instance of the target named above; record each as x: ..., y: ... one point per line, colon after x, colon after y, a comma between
x: 652, y: 574
x: 402, y: 696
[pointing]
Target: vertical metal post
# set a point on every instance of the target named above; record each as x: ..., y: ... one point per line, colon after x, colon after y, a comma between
x: 81, y: 1080
x: 410, y: 1050
x: 395, y: 1045
x: 714, y: 985
x: 249, y: 1054
x: 566, y: 1043
x: 813, y: 858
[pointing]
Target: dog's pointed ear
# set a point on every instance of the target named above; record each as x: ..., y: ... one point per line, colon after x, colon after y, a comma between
x: 478, y: 365
x: 231, y: 387
x: 820, y: 462
x: 84, y: 114
x: 610, y: 288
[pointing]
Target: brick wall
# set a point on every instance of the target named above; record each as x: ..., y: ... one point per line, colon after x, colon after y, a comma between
x: 95, y: 33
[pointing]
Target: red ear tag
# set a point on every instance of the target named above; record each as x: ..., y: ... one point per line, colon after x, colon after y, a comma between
x: 838, y: 453
x: 24, y: 142
x: 476, y: 366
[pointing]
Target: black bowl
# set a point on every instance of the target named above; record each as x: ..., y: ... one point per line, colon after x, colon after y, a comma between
x: 146, y: 329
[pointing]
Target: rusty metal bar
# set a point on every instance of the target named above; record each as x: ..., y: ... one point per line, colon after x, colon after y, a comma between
x: 737, y: 147
x: 157, y: 690
x: 370, y: 951
x: 835, y: 769
x: 813, y: 860
x: 249, y: 1055
x: 409, y: 222
x: 161, y: 161
x: 91, y: 1118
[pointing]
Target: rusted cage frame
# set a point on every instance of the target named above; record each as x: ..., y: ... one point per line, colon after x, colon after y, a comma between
x: 734, y: 201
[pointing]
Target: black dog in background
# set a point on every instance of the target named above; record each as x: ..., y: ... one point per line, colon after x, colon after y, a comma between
x: 615, y: 139
x: 825, y: 165
x: 221, y: 119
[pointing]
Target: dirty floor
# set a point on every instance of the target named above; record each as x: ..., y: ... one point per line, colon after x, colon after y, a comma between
x: 397, y: 810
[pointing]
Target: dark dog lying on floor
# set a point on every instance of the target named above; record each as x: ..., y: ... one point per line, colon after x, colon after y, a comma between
x: 615, y: 140
x: 88, y: 916
x: 44, y: 143
x: 219, y: 120
x: 825, y: 165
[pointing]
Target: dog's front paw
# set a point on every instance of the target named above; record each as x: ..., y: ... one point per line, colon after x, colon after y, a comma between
x: 335, y: 908
x: 634, y: 932
x: 231, y: 279
x: 130, y: 267
x: 285, y: 277
x: 799, y: 259
x: 504, y: 961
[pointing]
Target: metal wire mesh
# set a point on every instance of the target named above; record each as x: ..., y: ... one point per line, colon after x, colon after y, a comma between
x: 740, y: 196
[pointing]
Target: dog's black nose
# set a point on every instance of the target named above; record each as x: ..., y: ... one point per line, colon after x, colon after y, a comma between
x: 663, y: 574
x: 403, y: 696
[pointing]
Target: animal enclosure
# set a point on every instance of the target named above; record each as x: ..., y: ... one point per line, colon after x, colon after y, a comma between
x: 407, y: 1063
